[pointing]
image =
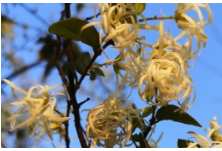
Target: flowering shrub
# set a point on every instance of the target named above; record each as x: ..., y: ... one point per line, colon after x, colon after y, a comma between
x: 159, y: 76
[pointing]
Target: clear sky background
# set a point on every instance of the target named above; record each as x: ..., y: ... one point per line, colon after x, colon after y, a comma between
x: 206, y: 74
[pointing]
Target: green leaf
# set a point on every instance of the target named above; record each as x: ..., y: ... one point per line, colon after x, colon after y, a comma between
x: 136, y: 138
x: 129, y: 19
x: 49, y: 45
x: 136, y: 123
x: 140, y: 138
x: 147, y: 111
x: 80, y: 6
x: 139, y: 7
x: 99, y: 72
x: 70, y: 28
x: 20, y: 134
x: 48, y: 69
x: 116, y: 69
x: 147, y: 93
x: 168, y: 113
x: 182, y: 143
x: 82, y: 62
x: 92, y: 75
x: 138, y: 50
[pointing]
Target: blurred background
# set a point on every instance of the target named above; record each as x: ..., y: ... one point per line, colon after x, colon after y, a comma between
x: 27, y: 60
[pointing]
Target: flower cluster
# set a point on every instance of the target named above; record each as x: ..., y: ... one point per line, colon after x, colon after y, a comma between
x: 111, y: 122
x: 37, y: 107
x: 158, y: 70
x: 161, y: 73
x: 214, y: 134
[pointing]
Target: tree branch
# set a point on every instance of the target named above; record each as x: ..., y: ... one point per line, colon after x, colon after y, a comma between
x: 81, y: 103
x: 23, y: 69
x: 62, y: 75
x: 91, y: 17
x: 65, y: 82
x: 152, y: 122
x: 157, y: 18
x: 72, y: 87
x: 97, y: 53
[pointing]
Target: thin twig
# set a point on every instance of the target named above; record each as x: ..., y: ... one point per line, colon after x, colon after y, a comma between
x: 34, y: 14
x: 25, y: 26
x: 91, y: 17
x: 61, y: 73
x: 63, y: 78
x: 157, y: 18
x: 95, y: 66
x: 21, y: 71
x: 152, y: 122
x: 57, y: 111
x: 97, y: 53
x: 65, y: 82
x: 81, y: 103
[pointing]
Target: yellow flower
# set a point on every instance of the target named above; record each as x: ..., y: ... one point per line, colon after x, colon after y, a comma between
x: 167, y: 72
x: 213, y: 134
x: 214, y: 129
x: 169, y: 76
x: 111, y: 120
x: 204, y: 142
x: 194, y: 27
x: 39, y: 105
x: 119, y: 22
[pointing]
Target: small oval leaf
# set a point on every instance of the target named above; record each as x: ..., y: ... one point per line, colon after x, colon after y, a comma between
x: 92, y: 75
x: 183, y: 143
x: 70, y: 28
x: 99, y: 72
x: 136, y: 138
x: 82, y: 62
x: 167, y: 113
x: 80, y: 6
x: 147, y: 111
x: 139, y: 7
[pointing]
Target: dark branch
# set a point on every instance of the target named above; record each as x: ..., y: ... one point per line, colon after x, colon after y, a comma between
x: 23, y: 69
x: 157, y: 18
x: 56, y: 62
x: 72, y: 87
x: 81, y: 103
x: 97, y: 53
x: 65, y: 82
x: 91, y: 17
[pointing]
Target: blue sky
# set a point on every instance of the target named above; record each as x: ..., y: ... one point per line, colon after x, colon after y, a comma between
x: 206, y: 74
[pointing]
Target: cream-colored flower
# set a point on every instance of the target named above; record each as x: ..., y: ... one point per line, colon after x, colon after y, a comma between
x: 119, y: 22
x: 185, y: 50
x: 130, y: 75
x: 166, y: 72
x: 111, y: 120
x: 191, y: 25
x: 169, y: 76
x: 214, y: 130
x: 204, y: 142
x: 38, y: 104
